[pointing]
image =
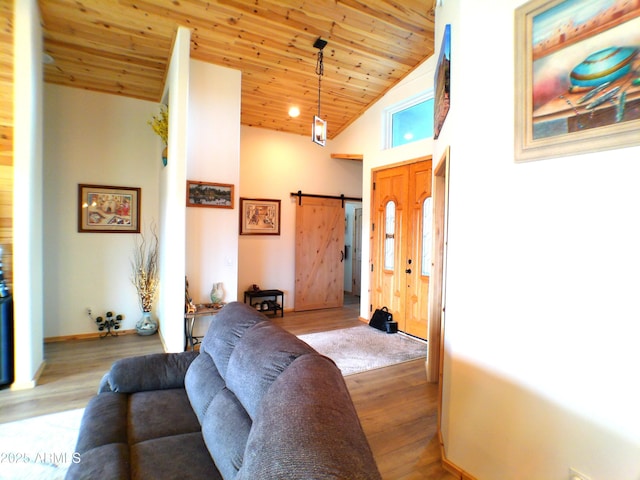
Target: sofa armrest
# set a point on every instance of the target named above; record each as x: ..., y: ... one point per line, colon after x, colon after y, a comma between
x: 157, y: 371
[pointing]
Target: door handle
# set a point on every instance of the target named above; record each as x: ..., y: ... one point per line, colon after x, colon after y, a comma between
x: 341, y: 256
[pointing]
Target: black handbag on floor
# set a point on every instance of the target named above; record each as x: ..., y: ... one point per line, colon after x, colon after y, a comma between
x: 380, y: 318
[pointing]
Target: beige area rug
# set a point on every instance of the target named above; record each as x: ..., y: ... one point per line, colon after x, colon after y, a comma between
x: 362, y: 348
x: 39, y: 448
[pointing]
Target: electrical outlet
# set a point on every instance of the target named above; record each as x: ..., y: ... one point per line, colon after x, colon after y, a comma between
x: 576, y: 475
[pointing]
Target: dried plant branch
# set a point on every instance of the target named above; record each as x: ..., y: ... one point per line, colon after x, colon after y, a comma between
x: 145, y: 270
x: 160, y: 124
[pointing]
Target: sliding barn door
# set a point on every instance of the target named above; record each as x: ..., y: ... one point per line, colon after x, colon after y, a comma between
x: 401, y: 244
x: 320, y: 224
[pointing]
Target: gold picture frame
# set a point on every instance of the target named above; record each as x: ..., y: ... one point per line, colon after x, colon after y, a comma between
x: 107, y: 209
x: 576, y: 78
x: 259, y: 216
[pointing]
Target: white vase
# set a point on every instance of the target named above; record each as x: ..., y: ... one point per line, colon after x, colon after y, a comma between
x: 146, y: 325
x: 217, y: 293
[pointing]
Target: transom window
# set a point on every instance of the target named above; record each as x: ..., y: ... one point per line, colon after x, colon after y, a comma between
x: 409, y: 121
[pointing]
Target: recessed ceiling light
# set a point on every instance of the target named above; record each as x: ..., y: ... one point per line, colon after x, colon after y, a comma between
x: 294, y: 112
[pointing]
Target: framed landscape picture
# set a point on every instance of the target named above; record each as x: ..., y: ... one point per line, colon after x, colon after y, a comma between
x: 107, y: 209
x: 577, y: 74
x: 211, y: 195
x: 259, y: 216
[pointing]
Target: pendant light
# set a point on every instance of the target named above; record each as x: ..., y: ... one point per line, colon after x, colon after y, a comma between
x: 319, y: 126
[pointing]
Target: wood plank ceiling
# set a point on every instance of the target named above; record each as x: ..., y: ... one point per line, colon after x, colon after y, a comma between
x: 6, y: 83
x: 122, y: 47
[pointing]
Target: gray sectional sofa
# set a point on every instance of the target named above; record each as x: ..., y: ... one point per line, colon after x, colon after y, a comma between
x: 256, y: 403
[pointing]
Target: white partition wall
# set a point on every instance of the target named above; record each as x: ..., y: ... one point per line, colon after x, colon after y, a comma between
x: 213, y: 157
x: 27, y: 188
x: 172, y: 199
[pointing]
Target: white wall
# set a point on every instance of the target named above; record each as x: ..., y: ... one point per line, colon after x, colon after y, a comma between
x: 542, y: 316
x: 27, y: 193
x: 173, y: 190
x: 97, y: 139
x: 214, y: 156
x: 273, y: 165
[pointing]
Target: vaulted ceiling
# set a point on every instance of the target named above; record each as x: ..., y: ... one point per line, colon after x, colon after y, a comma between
x: 123, y: 46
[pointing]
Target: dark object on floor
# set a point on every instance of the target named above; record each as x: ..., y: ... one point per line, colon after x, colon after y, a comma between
x: 380, y: 318
x: 392, y: 327
x: 7, y: 374
x: 255, y: 403
x: 6, y: 341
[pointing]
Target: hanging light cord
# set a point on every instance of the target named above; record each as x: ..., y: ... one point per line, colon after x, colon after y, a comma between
x: 320, y: 73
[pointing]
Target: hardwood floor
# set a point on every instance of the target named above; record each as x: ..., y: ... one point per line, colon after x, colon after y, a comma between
x: 396, y: 405
x: 397, y: 409
x: 72, y: 374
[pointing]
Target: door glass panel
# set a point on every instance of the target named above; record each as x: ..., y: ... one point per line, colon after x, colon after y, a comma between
x: 389, y: 235
x: 427, y: 216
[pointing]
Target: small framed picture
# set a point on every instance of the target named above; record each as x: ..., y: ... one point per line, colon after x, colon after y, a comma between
x: 107, y: 209
x: 259, y: 216
x: 210, y: 195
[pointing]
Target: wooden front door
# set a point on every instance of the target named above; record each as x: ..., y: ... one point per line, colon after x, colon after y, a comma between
x: 401, y: 247
x: 419, y: 249
x: 388, y: 214
x: 319, y: 253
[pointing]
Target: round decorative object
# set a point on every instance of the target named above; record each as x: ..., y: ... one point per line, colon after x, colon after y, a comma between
x: 603, y: 66
x: 146, y: 325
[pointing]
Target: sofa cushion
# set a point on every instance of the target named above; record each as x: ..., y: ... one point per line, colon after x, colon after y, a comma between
x: 264, y: 352
x: 226, y: 329
x: 179, y: 457
x: 225, y: 430
x: 159, y: 414
x: 202, y: 382
x: 149, y: 372
x: 105, y: 461
x: 103, y: 422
